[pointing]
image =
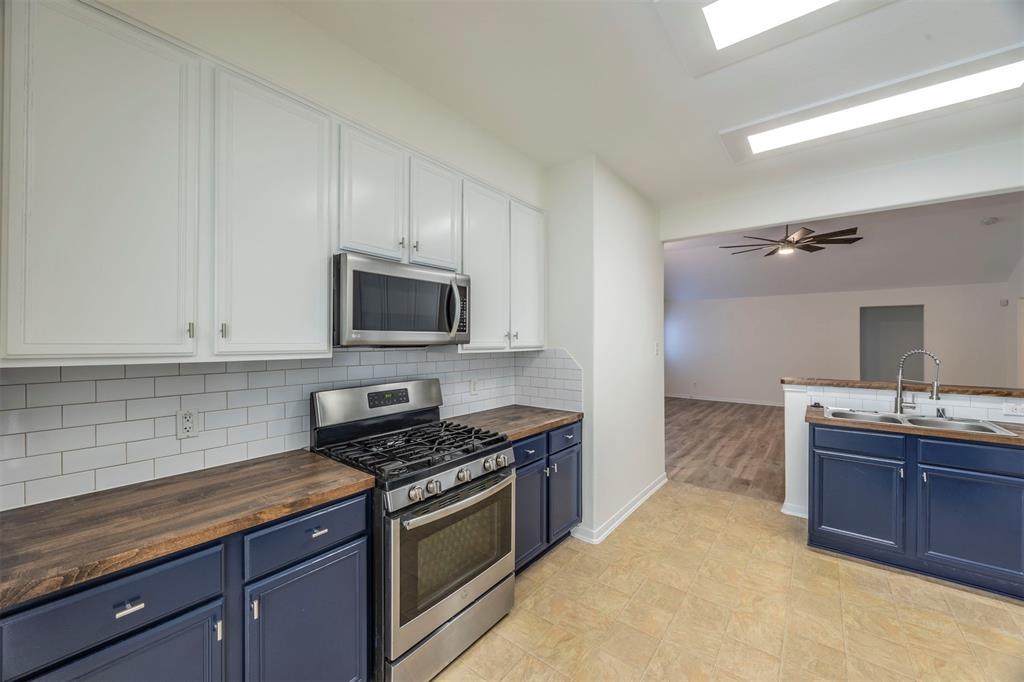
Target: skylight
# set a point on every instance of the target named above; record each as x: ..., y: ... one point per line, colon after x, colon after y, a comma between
x: 731, y: 21
x: 963, y: 89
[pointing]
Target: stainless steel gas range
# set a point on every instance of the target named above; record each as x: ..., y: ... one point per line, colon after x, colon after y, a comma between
x: 444, y: 519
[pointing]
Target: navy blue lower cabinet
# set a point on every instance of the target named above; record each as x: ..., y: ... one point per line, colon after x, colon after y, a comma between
x: 189, y: 647
x: 564, y: 504
x: 859, y: 499
x: 972, y: 521
x: 309, y: 622
x: 531, y: 511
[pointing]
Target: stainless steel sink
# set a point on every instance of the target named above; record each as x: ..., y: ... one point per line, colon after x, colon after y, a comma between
x: 941, y: 423
x: 959, y: 425
x: 857, y: 416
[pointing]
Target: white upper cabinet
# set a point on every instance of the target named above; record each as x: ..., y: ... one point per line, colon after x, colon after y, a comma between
x: 272, y: 186
x: 435, y: 215
x: 528, y: 277
x: 485, y: 258
x: 100, y: 213
x: 374, y: 195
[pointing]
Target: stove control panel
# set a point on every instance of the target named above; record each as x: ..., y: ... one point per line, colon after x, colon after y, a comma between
x: 386, y: 398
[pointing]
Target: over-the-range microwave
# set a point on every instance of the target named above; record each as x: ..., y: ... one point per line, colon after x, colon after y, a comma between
x: 380, y: 303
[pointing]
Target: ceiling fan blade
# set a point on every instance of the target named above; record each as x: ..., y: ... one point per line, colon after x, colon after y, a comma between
x: 772, y: 252
x: 844, y: 240
x: 838, y: 233
x: 756, y: 248
x: 799, y: 234
x: 762, y: 239
x: 809, y: 248
x: 745, y: 246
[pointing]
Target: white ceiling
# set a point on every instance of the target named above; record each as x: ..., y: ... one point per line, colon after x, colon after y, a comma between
x: 558, y: 80
x: 934, y: 245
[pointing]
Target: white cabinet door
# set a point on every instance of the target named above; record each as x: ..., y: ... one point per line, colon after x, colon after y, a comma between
x: 374, y: 195
x: 272, y: 183
x: 101, y: 215
x: 485, y: 258
x: 435, y: 215
x: 528, y: 277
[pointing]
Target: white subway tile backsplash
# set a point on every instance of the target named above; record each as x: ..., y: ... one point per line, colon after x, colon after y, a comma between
x: 123, y: 432
x: 266, y: 413
x: 283, y: 427
x: 91, y: 372
x: 39, y: 442
x: 205, y: 440
x: 284, y: 364
x: 284, y: 394
x: 63, y: 393
x: 92, y: 458
x: 204, y: 402
x: 29, y: 419
x: 28, y: 468
x: 300, y: 376
x: 178, y: 464
x: 179, y: 385
x: 12, y: 496
x: 224, y: 418
x: 266, y: 379
x: 295, y: 441
x: 242, y: 434
x: 12, y: 397
x: 94, y: 413
x: 246, y: 366
x: 160, y: 370
x: 46, y: 489
x: 153, y: 448
x: 227, y: 382
x: 225, y: 455
x: 125, y: 474
x: 124, y: 389
x: 268, y: 446
x: 153, y: 407
x: 201, y: 368
x: 167, y: 426
x: 12, y: 446
x: 28, y: 375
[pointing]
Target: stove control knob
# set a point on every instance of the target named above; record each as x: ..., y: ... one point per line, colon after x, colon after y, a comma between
x: 463, y: 475
x: 416, y: 493
x: 489, y: 464
x: 434, y: 487
x: 502, y: 460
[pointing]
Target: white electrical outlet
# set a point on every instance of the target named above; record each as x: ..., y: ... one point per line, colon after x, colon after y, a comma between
x: 187, y: 426
x: 473, y: 388
x: 1013, y: 409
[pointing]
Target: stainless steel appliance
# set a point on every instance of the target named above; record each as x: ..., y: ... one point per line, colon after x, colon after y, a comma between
x: 380, y: 303
x: 444, y: 519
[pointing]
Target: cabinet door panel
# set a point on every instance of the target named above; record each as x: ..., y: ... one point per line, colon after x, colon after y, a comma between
x: 528, y: 277
x: 101, y: 207
x: 374, y: 195
x: 858, y: 498
x: 972, y: 521
x: 531, y: 511
x: 565, y: 508
x: 435, y: 218
x: 272, y: 186
x: 309, y: 622
x: 485, y: 258
x: 186, y: 648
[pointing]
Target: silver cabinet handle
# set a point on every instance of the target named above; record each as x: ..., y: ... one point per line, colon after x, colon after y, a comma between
x: 223, y: 330
x: 570, y: 436
x: 516, y: 336
x: 190, y: 331
x: 555, y: 465
x: 129, y: 609
x: 255, y: 609
x: 901, y: 472
x: 416, y: 245
x: 547, y: 471
x: 924, y: 476
x: 218, y: 628
x: 401, y: 242
x: 531, y: 452
x: 319, y: 532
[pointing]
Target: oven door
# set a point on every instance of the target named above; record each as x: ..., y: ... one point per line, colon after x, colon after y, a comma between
x: 380, y: 303
x: 446, y: 554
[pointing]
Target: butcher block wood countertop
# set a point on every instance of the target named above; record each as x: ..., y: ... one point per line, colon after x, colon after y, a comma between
x: 55, y: 545
x: 519, y: 421
x: 816, y: 415
x: 951, y: 389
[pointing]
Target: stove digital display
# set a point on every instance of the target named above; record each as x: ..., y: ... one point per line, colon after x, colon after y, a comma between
x: 385, y: 398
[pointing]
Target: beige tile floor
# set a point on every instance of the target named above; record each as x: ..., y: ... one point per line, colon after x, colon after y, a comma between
x: 705, y: 585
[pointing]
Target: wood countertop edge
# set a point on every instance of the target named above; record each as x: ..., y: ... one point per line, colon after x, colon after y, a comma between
x: 816, y: 415
x: 16, y: 590
x: 951, y: 389
x: 519, y: 421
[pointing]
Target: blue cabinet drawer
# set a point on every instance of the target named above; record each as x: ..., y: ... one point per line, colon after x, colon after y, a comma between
x: 531, y: 449
x: 55, y: 631
x: 886, y: 445
x: 990, y: 459
x: 285, y: 543
x: 565, y: 437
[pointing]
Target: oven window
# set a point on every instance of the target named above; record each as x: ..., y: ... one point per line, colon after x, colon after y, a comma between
x: 400, y: 304
x: 439, y: 558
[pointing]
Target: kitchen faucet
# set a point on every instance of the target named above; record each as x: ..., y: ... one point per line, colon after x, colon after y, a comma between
x: 899, y: 379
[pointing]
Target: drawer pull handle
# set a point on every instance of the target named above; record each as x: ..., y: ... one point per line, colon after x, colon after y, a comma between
x: 570, y: 436
x: 319, y: 532
x: 531, y: 452
x: 555, y: 465
x: 129, y: 609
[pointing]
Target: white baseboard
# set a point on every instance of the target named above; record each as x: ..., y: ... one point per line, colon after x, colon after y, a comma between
x: 794, y: 510
x: 741, y: 401
x: 596, y: 536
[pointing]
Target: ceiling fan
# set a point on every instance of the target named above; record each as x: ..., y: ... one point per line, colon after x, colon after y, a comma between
x: 803, y: 239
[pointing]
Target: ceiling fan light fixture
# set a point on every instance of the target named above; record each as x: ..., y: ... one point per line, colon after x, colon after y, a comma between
x: 944, y: 94
x: 732, y: 21
x: 783, y: 250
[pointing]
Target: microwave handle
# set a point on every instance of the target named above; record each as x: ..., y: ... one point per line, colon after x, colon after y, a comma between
x: 458, y: 308
x: 417, y: 521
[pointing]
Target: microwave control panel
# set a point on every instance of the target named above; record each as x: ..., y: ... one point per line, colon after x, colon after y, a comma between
x: 463, y: 311
x: 386, y: 398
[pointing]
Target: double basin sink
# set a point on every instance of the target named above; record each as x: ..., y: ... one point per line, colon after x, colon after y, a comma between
x: 940, y: 423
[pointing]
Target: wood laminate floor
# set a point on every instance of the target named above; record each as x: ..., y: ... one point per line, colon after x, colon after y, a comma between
x: 726, y: 446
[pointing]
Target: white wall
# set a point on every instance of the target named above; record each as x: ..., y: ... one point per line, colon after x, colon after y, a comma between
x: 277, y: 44
x: 737, y: 349
x: 605, y: 307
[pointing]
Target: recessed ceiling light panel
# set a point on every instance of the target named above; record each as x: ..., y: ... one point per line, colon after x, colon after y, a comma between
x: 944, y: 94
x: 731, y: 21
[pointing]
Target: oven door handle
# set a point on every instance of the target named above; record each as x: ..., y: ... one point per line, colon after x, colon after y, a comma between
x: 417, y: 521
x: 458, y: 308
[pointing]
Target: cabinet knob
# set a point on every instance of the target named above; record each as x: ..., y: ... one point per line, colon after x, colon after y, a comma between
x: 401, y: 242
